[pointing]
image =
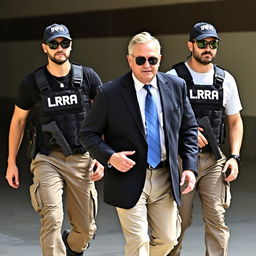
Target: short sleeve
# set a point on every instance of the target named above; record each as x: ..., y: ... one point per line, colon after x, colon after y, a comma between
x: 93, y: 81
x: 28, y: 93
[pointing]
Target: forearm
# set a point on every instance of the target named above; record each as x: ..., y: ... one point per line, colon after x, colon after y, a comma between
x: 15, y: 137
x: 16, y: 132
x: 235, y: 136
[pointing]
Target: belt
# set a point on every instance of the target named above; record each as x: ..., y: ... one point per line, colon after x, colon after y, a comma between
x: 162, y: 164
x: 75, y: 150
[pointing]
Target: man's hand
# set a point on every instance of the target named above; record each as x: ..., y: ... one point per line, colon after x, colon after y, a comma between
x: 202, y: 141
x: 12, y: 176
x: 121, y: 162
x: 189, y: 177
x: 231, y: 165
x: 98, y: 170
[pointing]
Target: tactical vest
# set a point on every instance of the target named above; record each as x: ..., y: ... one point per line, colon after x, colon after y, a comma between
x: 206, y: 100
x: 66, y: 107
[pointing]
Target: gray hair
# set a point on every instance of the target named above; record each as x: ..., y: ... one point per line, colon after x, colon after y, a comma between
x: 142, y: 38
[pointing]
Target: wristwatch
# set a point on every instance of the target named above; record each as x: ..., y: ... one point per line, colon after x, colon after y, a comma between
x: 237, y: 157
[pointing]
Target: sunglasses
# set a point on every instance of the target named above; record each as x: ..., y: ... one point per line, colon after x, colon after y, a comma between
x: 55, y: 44
x: 201, y: 44
x: 140, y: 60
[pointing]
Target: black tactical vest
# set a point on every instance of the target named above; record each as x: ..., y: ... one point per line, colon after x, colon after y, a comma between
x: 66, y: 107
x: 206, y: 100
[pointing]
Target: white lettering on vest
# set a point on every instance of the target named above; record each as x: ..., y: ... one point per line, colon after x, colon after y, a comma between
x: 208, y: 95
x: 203, y: 95
x: 62, y: 100
x: 50, y: 104
x: 66, y: 100
x: 215, y: 95
x: 73, y: 99
x: 200, y: 94
x: 58, y: 101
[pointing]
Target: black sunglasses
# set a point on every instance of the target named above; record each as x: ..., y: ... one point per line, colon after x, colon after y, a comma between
x: 201, y: 44
x: 55, y: 44
x: 140, y: 60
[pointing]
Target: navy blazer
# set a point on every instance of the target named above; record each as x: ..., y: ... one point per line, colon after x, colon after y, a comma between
x: 115, y: 116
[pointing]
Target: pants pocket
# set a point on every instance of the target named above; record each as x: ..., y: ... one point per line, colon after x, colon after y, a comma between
x: 35, y: 197
x: 227, y: 195
x: 94, y: 203
x: 178, y: 224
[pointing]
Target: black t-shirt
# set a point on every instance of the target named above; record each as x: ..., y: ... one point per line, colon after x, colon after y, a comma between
x: 29, y: 94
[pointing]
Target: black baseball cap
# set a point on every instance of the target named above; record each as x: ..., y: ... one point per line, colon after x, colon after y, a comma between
x: 54, y: 31
x: 203, y: 30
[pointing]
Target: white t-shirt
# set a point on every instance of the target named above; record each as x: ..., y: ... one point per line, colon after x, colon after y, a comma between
x: 231, y: 100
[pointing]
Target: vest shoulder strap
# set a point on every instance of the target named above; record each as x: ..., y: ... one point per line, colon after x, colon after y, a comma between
x: 77, y: 75
x: 43, y: 83
x: 219, y: 76
x: 41, y: 80
x: 183, y: 72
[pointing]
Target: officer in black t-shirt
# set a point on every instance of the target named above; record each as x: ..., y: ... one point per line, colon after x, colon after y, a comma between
x: 58, y: 96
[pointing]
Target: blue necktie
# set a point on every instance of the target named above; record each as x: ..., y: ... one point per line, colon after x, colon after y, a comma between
x: 152, y: 129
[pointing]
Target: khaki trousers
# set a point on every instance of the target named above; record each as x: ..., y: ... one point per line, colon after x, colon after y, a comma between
x: 53, y: 174
x: 215, y: 197
x: 152, y: 226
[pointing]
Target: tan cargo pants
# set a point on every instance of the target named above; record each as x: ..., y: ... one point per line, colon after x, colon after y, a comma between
x: 157, y: 212
x: 215, y: 198
x: 52, y: 175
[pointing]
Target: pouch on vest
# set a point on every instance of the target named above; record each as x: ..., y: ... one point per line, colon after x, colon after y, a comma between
x: 33, y: 139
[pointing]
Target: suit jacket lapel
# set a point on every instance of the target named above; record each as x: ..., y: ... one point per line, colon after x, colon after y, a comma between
x: 129, y: 96
x: 164, y: 90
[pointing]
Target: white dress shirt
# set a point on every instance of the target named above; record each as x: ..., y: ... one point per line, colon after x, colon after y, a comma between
x: 141, y: 96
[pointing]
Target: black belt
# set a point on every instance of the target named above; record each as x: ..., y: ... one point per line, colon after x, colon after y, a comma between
x: 75, y: 150
x: 162, y: 164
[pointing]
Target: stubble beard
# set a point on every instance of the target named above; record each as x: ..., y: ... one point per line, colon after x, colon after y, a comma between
x: 202, y: 60
x: 56, y: 61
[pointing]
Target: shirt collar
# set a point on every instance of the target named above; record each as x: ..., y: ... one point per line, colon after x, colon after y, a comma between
x: 139, y: 85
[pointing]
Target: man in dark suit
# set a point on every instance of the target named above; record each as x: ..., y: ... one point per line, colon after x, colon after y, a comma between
x: 137, y: 126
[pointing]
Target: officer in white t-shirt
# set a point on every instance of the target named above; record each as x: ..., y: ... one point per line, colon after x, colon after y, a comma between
x: 214, y: 96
